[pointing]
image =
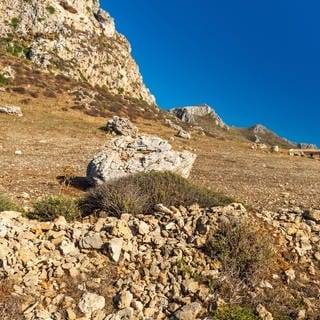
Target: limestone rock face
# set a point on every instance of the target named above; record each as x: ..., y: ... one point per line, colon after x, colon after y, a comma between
x: 191, y: 114
x: 75, y: 38
x: 126, y: 155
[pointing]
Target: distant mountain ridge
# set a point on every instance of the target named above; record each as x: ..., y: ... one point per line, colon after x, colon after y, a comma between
x: 205, y: 116
x: 74, y: 38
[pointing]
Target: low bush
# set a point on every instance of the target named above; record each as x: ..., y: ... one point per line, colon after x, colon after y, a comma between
x: 51, y: 207
x: 139, y: 193
x: 234, y: 313
x: 246, y: 254
x: 243, y: 249
x: 6, y: 204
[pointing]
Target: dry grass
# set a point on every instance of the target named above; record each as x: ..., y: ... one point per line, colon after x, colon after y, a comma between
x: 9, y: 304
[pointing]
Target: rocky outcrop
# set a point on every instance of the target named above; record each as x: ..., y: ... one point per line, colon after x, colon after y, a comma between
x: 75, y: 38
x: 192, y: 115
x: 121, y: 126
x: 126, y: 155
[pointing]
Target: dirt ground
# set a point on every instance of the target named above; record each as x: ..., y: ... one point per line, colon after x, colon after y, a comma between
x: 54, y: 142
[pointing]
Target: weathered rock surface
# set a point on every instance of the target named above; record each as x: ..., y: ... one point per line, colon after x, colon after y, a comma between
x: 125, y: 155
x: 191, y: 114
x: 121, y: 126
x: 75, y: 38
x: 11, y: 110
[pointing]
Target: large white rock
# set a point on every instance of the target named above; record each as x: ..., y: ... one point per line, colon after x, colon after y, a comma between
x: 125, y: 155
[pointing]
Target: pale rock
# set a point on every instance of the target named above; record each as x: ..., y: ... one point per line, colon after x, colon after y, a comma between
x: 291, y: 275
x: 191, y: 114
x: 91, y: 241
x: 11, y: 110
x: 122, y: 126
x: 68, y: 248
x: 125, y: 299
x: 189, y: 311
x: 143, y: 228
x: 190, y: 285
x: 124, y: 155
x: 183, y: 134
x: 61, y: 36
x: 115, y: 247
x: 91, y: 302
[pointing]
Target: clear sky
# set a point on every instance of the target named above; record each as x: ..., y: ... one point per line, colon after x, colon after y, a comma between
x: 252, y: 61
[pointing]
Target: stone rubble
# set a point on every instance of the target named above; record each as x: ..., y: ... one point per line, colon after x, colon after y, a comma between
x: 161, y: 265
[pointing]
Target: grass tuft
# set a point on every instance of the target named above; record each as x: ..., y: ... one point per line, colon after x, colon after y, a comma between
x: 50, y: 208
x: 6, y: 204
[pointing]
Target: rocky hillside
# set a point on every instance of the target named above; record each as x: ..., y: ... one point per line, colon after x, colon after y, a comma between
x: 262, y: 135
x: 202, y: 115
x: 74, y: 38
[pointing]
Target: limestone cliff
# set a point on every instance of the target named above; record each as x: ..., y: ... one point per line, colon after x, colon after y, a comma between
x: 194, y: 115
x: 75, y: 38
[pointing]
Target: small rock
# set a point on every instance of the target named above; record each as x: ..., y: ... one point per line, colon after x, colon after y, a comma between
x: 91, y: 302
x: 189, y: 311
x: 125, y: 299
x: 91, y: 241
x: 115, y: 247
x: 291, y: 275
x: 183, y: 134
x: 18, y: 152
x: 11, y: 110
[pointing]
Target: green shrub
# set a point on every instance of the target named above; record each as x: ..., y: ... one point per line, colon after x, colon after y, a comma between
x: 6, y: 204
x: 15, y: 22
x: 3, y: 80
x: 51, y: 9
x: 51, y: 207
x: 234, y: 313
x: 140, y: 192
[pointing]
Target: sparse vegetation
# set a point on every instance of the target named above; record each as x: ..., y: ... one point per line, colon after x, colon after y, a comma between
x: 6, y: 204
x: 3, y: 80
x: 243, y: 248
x: 246, y: 254
x: 234, y: 313
x: 15, y: 22
x: 51, y: 9
x: 139, y: 193
x: 51, y: 207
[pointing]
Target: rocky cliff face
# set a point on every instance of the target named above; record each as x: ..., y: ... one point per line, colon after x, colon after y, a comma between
x: 75, y: 38
x: 194, y: 114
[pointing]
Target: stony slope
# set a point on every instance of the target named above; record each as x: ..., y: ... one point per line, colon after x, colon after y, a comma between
x: 75, y: 38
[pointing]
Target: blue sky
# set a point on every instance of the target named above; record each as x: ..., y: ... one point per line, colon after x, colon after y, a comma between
x: 252, y: 61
